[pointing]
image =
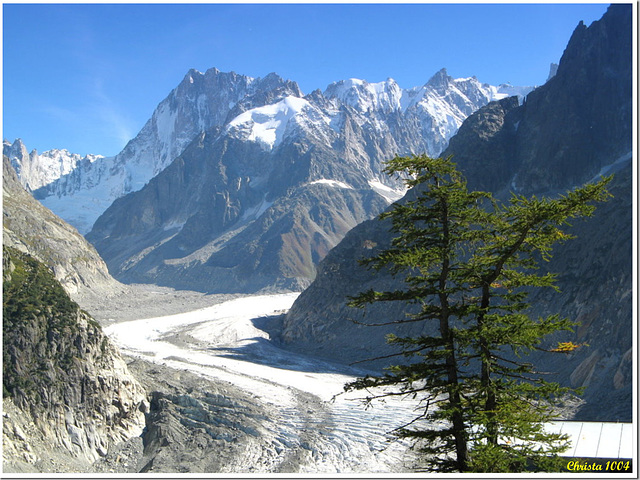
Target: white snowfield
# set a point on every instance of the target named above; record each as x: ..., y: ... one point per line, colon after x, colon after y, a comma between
x: 266, y: 125
x: 225, y: 342
x: 388, y: 193
x: 332, y: 183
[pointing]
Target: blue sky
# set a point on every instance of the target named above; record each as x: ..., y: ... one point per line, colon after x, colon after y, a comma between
x: 87, y: 77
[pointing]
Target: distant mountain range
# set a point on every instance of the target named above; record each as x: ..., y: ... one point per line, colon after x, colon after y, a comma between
x: 79, y: 189
x: 253, y: 204
x: 240, y: 184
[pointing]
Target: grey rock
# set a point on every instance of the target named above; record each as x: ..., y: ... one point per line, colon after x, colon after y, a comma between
x: 61, y: 377
x: 33, y: 229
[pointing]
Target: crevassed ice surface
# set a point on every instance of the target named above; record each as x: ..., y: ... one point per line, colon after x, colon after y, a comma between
x: 349, y: 438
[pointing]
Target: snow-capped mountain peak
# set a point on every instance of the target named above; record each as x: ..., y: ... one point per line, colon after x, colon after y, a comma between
x: 267, y: 124
x: 200, y: 102
x: 441, y: 79
x: 36, y: 170
x: 364, y: 96
x: 266, y: 111
x: 388, y: 96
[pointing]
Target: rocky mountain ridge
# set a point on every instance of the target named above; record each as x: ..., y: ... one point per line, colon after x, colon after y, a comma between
x: 31, y: 228
x: 548, y: 151
x: 253, y: 205
x: 557, y: 139
x: 68, y: 396
x: 36, y: 170
x: 201, y: 101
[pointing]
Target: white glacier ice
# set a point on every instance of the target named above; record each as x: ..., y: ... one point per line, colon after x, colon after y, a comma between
x: 266, y: 125
x: 228, y: 344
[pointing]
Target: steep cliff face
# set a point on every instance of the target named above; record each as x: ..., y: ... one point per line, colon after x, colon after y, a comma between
x: 596, y: 283
x: 505, y: 147
x: 568, y: 130
x: 594, y: 85
x: 485, y: 146
x: 33, y: 229
x: 70, y: 396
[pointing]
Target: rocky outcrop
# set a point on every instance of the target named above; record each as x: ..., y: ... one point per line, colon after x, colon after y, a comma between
x: 551, y: 143
x: 196, y: 425
x: 33, y: 229
x: 68, y: 391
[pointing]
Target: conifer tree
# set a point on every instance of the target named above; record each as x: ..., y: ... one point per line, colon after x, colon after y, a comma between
x: 469, y: 263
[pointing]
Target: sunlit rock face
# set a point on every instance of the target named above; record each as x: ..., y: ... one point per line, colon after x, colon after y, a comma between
x: 34, y: 229
x: 67, y: 393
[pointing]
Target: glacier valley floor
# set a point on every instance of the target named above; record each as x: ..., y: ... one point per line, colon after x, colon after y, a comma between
x: 227, y: 398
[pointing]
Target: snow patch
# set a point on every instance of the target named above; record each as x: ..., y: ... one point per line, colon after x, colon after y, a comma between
x: 410, y: 97
x: 331, y: 183
x: 175, y: 224
x: 389, y: 194
x: 266, y: 125
x: 506, y: 90
x: 256, y: 211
